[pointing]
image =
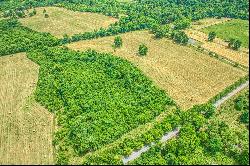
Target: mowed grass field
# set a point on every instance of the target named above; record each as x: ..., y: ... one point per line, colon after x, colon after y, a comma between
x: 62, y: 21
x: 236, y: 28
x: 218, y: 46
x: 188, y: 76
x: 25, y: 127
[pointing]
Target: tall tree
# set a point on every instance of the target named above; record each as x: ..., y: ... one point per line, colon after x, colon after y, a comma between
x: 118, y: 42
x: 143, y: 50
x: 211, y: 36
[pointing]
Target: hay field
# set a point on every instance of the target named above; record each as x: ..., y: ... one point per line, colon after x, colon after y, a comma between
x: 25, y: 127
x: 218, y: 46
x: 62, y: 21
x: 188, y: 76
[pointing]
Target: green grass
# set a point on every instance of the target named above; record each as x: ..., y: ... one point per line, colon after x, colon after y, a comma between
x: 237, y: 29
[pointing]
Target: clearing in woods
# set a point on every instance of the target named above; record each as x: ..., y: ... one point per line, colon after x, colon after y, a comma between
x: 188, y: 76
x: 218, y: 46
x: 62, y: 21
x: 25, y: 127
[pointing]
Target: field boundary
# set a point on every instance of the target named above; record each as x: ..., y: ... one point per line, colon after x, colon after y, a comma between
x: 130, y: 139
x: 220, y: 57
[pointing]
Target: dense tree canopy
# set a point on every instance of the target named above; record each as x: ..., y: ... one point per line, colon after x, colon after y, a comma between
x: 97, y: 98
x: 142, y: 14
x: 16, y: 38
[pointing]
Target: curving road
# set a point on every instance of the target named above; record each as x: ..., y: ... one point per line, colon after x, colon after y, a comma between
x: 231, y: 94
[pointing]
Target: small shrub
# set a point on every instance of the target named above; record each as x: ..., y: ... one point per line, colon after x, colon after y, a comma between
x: 118, y: 42
x: 241, y: 103
x: 234, y: 44
x: 46, y: 15
x: 244, y: 118
x: 143, y: 50
x: 211, y: 36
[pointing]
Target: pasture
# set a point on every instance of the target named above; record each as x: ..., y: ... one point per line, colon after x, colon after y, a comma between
x: 236, y: 28
x: 188, y: 76
x: 62, y: 21
x: 218, y: 46
x: 25, y: 127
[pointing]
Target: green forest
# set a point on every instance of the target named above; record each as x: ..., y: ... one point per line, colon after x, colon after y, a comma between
x: 98, y: 97
x: 92, y: 94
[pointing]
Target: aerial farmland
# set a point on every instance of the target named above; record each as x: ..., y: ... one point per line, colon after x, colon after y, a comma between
x: 124, y: 82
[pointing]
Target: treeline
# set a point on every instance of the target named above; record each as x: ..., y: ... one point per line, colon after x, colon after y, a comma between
x: 97, y: 98
x: 15, y: 38
x: 146, y: 14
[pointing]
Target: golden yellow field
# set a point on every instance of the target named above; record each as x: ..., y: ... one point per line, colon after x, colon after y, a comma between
x: 218, y: 45
x: 25, y: 127
x: 188, y: 76
x: 62, y: 21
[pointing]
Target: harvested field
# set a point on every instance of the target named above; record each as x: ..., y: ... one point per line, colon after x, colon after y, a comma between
x: 62, y: 21
x: 188, y: 76
x: 218, y: 46
x: 25, y: 127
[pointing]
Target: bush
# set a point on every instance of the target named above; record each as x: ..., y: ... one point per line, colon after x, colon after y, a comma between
x: 143, y: 50
x: 211, y: 36
x: 244, y: 118
x: 180, y: 37
x: 235, y: 44
x: 241, y: 103
x: 46, y: 15
x: 118, y: 42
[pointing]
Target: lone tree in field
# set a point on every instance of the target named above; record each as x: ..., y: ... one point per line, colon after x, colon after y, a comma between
x: 237, y: 45
x: 211, y: 36
x: 234, y: 44
x: 44, y: 11
x: 46, y: 15
x: 118, y: 42
x: 143, y: 50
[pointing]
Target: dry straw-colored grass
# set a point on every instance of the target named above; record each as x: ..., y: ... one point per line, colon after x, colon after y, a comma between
x: 25, y: 127
x: 218, y: 45
x: 188, y: 76
x: 62, y: 21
